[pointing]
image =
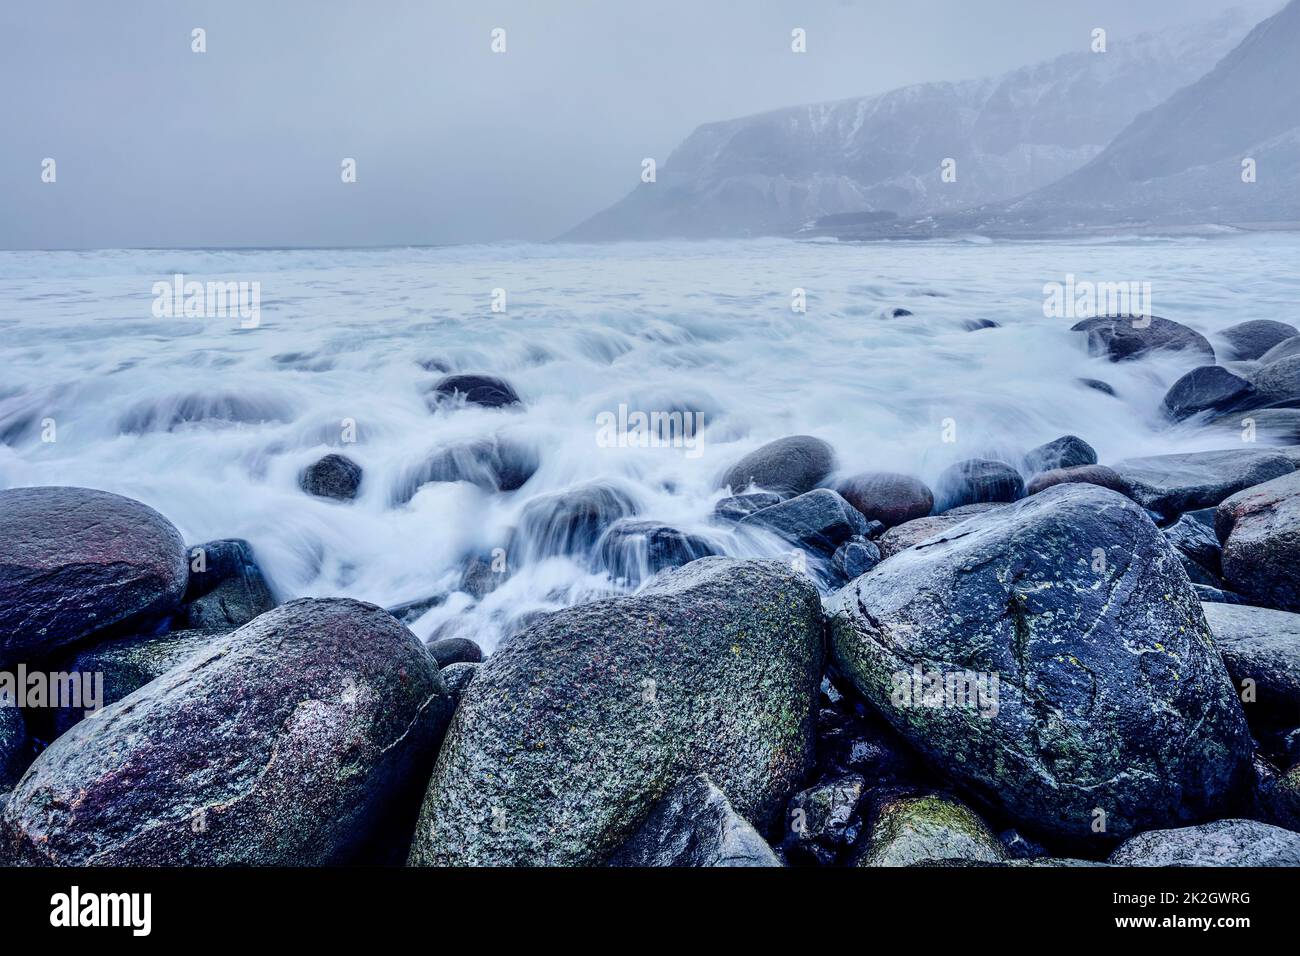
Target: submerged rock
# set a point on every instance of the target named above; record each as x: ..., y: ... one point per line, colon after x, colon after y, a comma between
x: 787, y: 466
x: 913, y: 829
x: 1251, y: 340
x: 1260, y: 531
x: 1068, y: 451
x: 977, y: 481
x: 889, y: 498
x: 633, y: 550
x: 1221, y: 843
x: 1172, y: 484
x: 1125, y: 337
x: 695, y: 825
x: 1261, y: 646
x: 576, y: 727
x: 1109, y: 692
x: 1263, y: 425
x: 486, y: 391
x: 225, y: 588
x: 74, y: 561
x: 1210, y: 388
x: 1097, y: 385
x: 334, y: 476
x: 288, y: 742
x: 823, y: 820
x: 818, y: 521
x: 572, y: 521
x: 737, y: 506
x: 1084, y: 474
x: 493, y: 464
x: 203, y: 408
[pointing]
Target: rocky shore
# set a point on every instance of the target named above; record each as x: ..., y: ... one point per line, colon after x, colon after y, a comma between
x: 1043, y: 659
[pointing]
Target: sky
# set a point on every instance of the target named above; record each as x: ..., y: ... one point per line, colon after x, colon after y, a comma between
x: 156, y: 145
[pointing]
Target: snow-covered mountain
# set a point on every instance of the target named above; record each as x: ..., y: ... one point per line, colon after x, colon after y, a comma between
x: 1009, y: 135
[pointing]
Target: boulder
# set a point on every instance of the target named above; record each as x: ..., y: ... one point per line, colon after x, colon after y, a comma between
x: 571, y: 521
x: 74, y: 561
x: 287, y: 742
x: 1109, y: 692
x: 1197, y: 545
x: 455, y: 650
x: 1068, y: 451
x: 1278, y: 383
x: 633, y: 551
x: 856, y: 556
x: 1260, y: 531
x: 912, y: 829
x: 486, y: 391
x: 493, y: 464
x: 823, y: 819
x: 889, y: 498
x: 787, y: 466
x: 1251, y: 340
x: 977, y: 481
x: 1172, y: 484
x: 573, y: 729
x: 1263, y: 646
x: 1221, y: 843
x: 457, y: 677
x: 694, y: 825
x: 334, y: 476
x: 225, y: 588
x: 911, y: 533
x: 481, y: 575
x: 737, y: 506
x: 817, y: 521
x: 1125, y: 337
x: 1097, y: 385
x: 1210, y: 388
x: 1084, y: 474
x: 1283, y: 350
x: 15, y: 748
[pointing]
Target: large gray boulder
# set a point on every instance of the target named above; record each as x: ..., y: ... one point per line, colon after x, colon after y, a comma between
x: 787, y: 466
x: 74, y: 561
x: 818, y: 521
x: 694, y: 825
x: 1260, y: 531
x: 1262, y: 646
x: 1122, y: 338
x: 288, y: 742
x: 977, y: 481
x: 1068, y: 451
x: 1110, y: 695
x: 913, y: 829
x: 1221, y: 843
x: 1172, y: 484
x: 1209, y: 388
x: 577, y: 726
x: 1251, y: 340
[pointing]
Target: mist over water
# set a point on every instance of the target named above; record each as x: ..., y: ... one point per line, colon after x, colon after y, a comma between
x: 212, y: 424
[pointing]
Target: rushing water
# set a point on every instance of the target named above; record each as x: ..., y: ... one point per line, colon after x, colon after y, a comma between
x: 351, y: 336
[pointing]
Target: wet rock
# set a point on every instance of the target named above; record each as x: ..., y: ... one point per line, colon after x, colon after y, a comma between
x: 1125, y: 337
x: 695, y: 825
x: 1221, y: 843
x: 1285, y: 349
x: 411, y: 611
x: 15, y: 749
x: 1085, y: 474
x: 633, y: 550
x: 287, y: 742
x: 481, y: 576
x: 854, y: 740
x: 575, y: 728
x: 1068, y: 451
x: 1172, y: 484
x: 1277, y: 794
x: 1019, y: 846
x: 486, y: 391
x: 855, y: 556
x: 169, y: 413
x: 737, y: 506
x: 818, y: 521
x: 912, y: 533
x: 225, y: 588
x: 1260, y: 531
x: 787, y: 466
x: 976, y: 325
x: 823, y: 819
x: 1110, y: 693
x: 889, y: 498
x: 74, y: 561
x: 493, y: 464
x: 457, y: 677
x: 456, y: 650
x: 977, y: 481
x: 572, y: 521
x: 1197, y: 545
x: 1278, y: 383
x: 1251, y: 340
x: 334, y: 476
x: 1210, y: 388
x: 1262, y: 646
x: 909, y: 830
x: 1097, y: 385
x: 1208, y: 594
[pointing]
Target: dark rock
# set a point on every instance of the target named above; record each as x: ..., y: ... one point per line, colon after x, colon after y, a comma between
x: 975, y: 325
x: 287, y: 742
x: 225, y: 588
x: 912, y: 533
x: 858, y: 741
x: 574, y: 728
x: 1083, y: 474
x: 694, y: 825
x: 1285, y: 349
x: 825, y: 816
x: 15, y: 749
x: 887, y: 497
x: 1097, y: 385
x: 493, y: 464
x: 1125, y: 337
x: 1210, y: 388
x: 456, y: 650
x: 1277, y: 795
x: 1260, y: 531
x: 483, y: 390
x: 900, y: 313
x: 334, y: 476
x: 411, y: 611
x: 1196, y: 544
x: 633, y: 550
x: 1172, y: 484
x: 737, y: 506
x: 572, y: 521
x: 1019, y: 846
x: 855, y: 556
x: 1208, y: 594
x: 1251, y: 340
x: 977, y: 481
x: 1221, y: 843
x: 1278, y: 383
x: 74, y: 561
x: 457, y: 677
x: 818, y: 521
x: 1261, y: 646
x: 787, y: 466
x: 909, y: 830
x: 1068, y: 451
x: 1110, y: 694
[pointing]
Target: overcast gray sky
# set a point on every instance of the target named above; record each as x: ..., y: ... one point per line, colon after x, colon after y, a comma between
x: 241, y: 146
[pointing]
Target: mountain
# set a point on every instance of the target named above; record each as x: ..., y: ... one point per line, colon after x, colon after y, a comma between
x: 881, y: 154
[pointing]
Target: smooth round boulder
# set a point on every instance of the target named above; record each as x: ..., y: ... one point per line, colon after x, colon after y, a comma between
x: 788, y: 466
x: 286, y: 743
x: 1221, y: 843
x: 1260, y: 531
x: 1284, y: 349
x: 1074, y: 667
x: 574, y: 728
x: 1084, y: 474
x: 887, y: 497
x: 334, y: 476
x: 1261, y: 648
x: 486, y: 391
x: 1251, y: 340
x: 913, y: 829
x: 977, y: 481
x: 1209, y: 388
x: 634, y: 551
x: 1068, y: 451
x: 74, y: 561
x: 456, y: 650
x: 1122, y: 338
x: 1172, y: 484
